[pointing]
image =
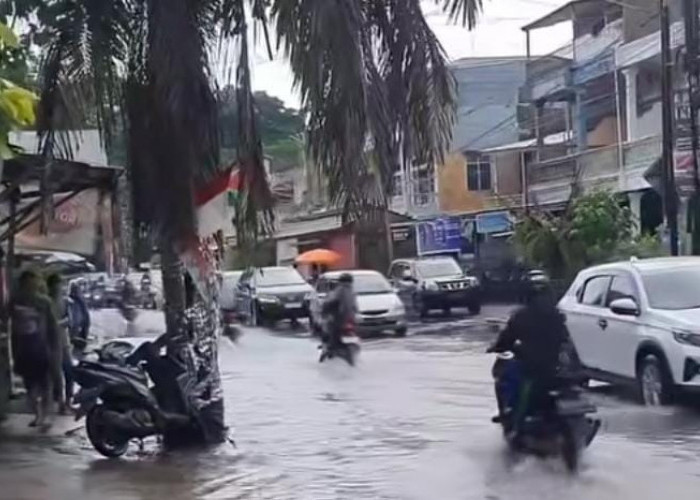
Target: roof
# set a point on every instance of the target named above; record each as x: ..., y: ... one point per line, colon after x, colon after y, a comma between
x: 291, y: 228
x: 564, y: 13
x: 424, y: 258
x: 86, y: 145
x: 651, y: 264
x: 550, y: 140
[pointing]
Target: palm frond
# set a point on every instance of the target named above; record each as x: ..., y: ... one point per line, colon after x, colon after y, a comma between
x: 464, y: 11
x: 373, y: 79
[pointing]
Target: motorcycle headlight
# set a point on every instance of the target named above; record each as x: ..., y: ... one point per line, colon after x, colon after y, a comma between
x: 268, y: 299
x: 687, y: 338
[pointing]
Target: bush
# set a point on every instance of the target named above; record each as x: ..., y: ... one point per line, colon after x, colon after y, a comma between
x: 594, y: 228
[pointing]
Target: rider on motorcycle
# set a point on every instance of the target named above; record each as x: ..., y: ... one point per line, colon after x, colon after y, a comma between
x: 341, y: 306
x: 536, y: 333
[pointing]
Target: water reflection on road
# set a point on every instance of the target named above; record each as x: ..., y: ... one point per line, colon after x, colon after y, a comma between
x: 412, y: 421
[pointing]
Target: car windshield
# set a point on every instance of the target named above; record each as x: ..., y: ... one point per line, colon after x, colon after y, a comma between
x: 438, y: 268
x: 278, y: 277
x: 366, y: 284
x: 673, y: 289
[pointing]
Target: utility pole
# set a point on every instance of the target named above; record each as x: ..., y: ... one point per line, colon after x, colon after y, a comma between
x: 667, y: 167
x: 690, y: 12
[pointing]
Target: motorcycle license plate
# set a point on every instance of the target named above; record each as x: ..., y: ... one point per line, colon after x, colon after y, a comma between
x: 351, y: 340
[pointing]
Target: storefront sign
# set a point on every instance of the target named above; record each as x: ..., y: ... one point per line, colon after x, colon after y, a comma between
x: 494, y: 222
x: 440, y: 236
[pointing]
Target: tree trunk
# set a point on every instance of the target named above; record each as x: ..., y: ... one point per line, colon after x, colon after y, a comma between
x: 173, y: 286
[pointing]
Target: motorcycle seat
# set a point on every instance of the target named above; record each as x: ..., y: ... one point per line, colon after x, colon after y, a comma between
x: 128, y: 371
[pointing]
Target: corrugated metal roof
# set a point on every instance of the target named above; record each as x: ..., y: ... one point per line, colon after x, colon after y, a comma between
x: 289, y: 229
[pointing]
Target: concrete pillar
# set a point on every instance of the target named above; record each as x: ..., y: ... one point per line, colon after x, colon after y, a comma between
x: 581, y: 122
x: 635, y: 199
x: 631, y: 102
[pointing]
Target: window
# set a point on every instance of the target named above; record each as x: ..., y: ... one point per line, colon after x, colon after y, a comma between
x: 423, y: 185
x: 595, y: 290
x: 478, y: 173
x: 622, y: 287
x: 673, y: 289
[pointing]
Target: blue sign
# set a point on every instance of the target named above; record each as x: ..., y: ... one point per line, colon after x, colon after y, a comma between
x: 494, y: 222
x: 439, y: 236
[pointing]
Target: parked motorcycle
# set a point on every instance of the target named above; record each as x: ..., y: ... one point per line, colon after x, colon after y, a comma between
x: 120, y: 404
x: 347, y: 348
x: 554, y: 423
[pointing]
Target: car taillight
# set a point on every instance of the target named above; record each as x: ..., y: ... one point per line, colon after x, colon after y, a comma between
x: 229, y: 317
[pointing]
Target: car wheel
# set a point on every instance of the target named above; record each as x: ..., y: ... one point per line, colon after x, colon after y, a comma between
x: 474, y: 308
x: 401, y: 331
x: 655, y: 387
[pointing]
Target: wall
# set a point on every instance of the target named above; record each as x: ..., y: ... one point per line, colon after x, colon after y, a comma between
x: 637, y: 21
x: 453, y: 194
x: 506, y: 165
x: 343, y: 242
x: 604, y: 134
x: 488, y: 97
x: 649, y: 123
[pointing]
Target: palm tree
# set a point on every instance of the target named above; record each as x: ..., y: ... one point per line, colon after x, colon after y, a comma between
x: 372, y: 76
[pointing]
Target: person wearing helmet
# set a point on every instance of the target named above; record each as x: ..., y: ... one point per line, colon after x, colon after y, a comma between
x: 341, y: 306
x: 536, y: 333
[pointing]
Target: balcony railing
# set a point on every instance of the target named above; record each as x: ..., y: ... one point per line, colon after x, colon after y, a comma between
x: 594, y: 169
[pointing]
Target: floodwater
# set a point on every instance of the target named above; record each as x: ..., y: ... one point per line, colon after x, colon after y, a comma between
x: 411, y: 421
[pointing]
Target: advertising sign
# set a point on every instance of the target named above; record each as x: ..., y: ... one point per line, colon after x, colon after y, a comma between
x: 494, y: 222
x: 440, y: 236
x: 72, y: 229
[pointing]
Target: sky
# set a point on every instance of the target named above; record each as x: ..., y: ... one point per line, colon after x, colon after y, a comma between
x: 498, y: 33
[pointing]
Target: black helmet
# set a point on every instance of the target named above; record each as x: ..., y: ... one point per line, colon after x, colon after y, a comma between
x: 345, y: 278
x: 538, y: 286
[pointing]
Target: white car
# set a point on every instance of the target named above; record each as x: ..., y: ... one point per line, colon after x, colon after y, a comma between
x: 639, y: 321
x: 379, y: 307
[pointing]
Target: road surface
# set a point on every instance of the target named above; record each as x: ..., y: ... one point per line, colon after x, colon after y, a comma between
x: 411, y: 421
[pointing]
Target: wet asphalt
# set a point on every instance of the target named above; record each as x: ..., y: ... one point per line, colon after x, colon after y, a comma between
x: 411, y: 421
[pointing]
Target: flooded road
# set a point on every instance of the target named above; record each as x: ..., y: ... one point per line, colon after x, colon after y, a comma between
x: 411, y: 421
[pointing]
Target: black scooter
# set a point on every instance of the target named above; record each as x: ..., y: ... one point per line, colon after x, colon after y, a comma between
x: 556, y: 421
x: 347, y: 347
x: 120, y: 405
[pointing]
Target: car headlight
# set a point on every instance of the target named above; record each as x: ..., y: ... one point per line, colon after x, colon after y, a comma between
x: 430, y: 285
x: 474, y: 281
x: 688, y: 338
x: 399, y: 308
x: 268, y: 299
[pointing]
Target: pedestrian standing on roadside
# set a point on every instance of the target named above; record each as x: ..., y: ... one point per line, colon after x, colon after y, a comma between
x: 35, y: 345
x: 63, y: 368
x: 79, y: 318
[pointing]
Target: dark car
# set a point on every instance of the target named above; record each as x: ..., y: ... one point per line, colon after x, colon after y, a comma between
x: 425, y: 284
x: 270, y: 294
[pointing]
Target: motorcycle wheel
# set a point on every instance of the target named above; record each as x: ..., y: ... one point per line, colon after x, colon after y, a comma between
x: 570, y: 451
x: 101, y: 439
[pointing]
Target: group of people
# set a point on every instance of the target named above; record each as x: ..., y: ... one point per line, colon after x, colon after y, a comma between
x: 47, y: 329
